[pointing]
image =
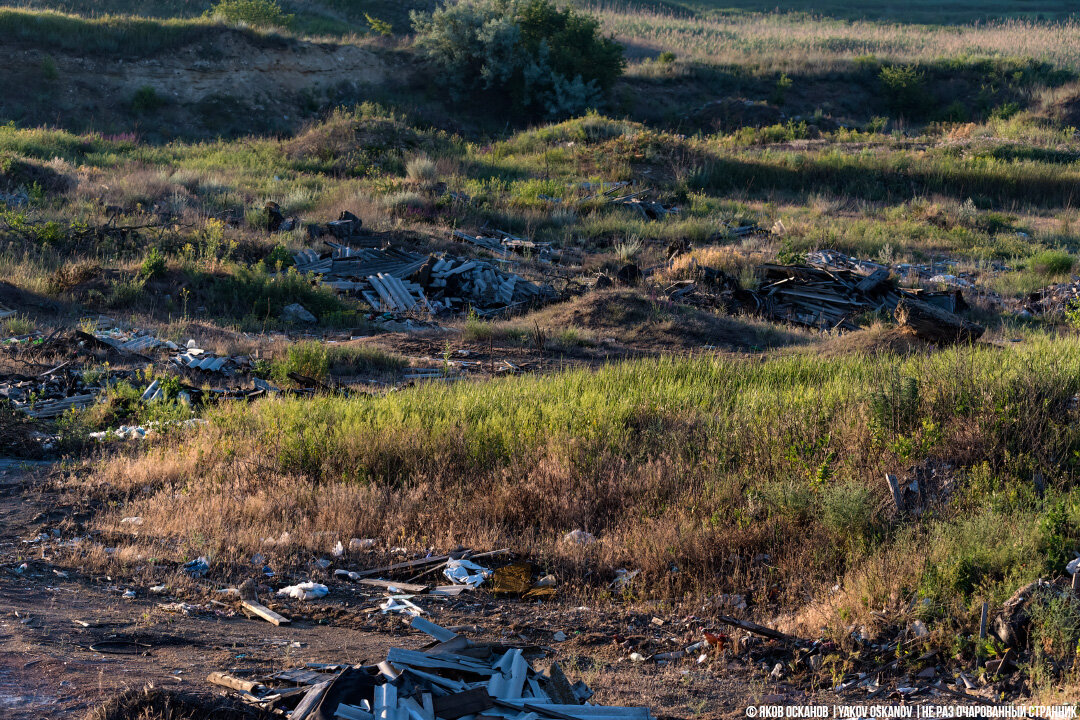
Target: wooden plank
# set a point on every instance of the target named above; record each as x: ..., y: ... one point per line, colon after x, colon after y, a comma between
x: 264, y: 612
x: 757, y: 629
x: 226, y: 680
x: 873, y: 280
x: 390, y: 585
x: 436, y: 631
x: 404, y: 565
x: 894, y: 489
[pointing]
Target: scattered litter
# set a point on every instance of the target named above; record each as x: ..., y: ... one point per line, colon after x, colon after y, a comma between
x: 466, y: 572
x: 197, y: 567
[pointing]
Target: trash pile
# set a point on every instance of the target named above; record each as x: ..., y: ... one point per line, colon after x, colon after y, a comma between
x: 453, y: 677
x: 831, y: 298
x: 503, y: 242
x: 398, y: 281
x: 1052, y: 300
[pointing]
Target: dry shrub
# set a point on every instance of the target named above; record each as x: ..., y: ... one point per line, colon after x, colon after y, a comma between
x: 70, y: 275
x: 735, y: 260
x: 154, y: 704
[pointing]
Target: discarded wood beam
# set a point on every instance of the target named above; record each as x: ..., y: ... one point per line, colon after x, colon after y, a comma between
x: 264, y: 612
x: 758, y: 629
x: 894, y: 488
x: 230, y: 681
x: 935, y: 324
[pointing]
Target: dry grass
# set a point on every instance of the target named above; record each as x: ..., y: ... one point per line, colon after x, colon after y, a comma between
x: 776, y: 42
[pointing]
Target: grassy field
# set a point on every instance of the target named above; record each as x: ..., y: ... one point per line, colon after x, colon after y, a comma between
x: 757, y: 469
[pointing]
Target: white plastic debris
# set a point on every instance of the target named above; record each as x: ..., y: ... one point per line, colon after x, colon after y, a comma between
x: 322, y: 563
x: 1073, y: 567
x: 637, y: 657
x: 129, y: 594
x: 623, y: 577
x: 304, y: 591
x: 132, y: 521
x: 401, y: 604
x: 158, y: 589
x: 918, y: 627
x: 197, y: 567
x: 357, y: 544
x: 466, y: 572
x: 579, y: 537
x: 338, y: 550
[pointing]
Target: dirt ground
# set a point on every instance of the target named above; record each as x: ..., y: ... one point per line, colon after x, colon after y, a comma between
x: 52, y: 619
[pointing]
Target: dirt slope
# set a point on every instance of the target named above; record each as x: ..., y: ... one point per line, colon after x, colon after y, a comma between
x: 225, y: 83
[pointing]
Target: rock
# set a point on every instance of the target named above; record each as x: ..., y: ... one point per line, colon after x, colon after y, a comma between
x: 919, y: 629
x: 602, y: 281
x: 297, y: 313
x: 560, y: 636
x: 629, y: 274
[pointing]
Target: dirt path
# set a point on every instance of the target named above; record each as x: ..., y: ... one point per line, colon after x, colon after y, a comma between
x: 48, y: 624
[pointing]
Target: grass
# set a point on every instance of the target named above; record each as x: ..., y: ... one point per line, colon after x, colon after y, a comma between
x: 665, y: 462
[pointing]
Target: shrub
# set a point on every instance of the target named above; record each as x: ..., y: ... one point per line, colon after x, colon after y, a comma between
x: 256, y: 13
x: 153, y: 265
x: 904, y: 87
x: 422, y: 171
x: 547, y: 61
x: 146, y: 99
x: 1053, y: 262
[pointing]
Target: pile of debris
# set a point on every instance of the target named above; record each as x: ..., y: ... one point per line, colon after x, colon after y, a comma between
x: 398, y: 281
x: 452, y: 678
x: 816, y: 297
x: 503, y: 242
x: 1052, y: 300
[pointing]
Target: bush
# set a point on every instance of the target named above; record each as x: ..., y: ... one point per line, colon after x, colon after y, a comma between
x: 1053, y: 262
x: 256, y: 13
x: 146, y: 99
x: 905, y: 88
x: 153, y: 265
x: 547, y: 61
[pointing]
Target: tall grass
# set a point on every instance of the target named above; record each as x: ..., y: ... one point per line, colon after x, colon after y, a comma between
x: 699, y: 463
x: 770, y: 42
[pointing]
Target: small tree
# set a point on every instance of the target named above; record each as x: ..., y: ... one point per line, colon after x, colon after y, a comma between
x: 546, y: 61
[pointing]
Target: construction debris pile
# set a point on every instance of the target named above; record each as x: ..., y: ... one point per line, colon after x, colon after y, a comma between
x: 394, y: 280
x: 1055, y: 299
x: 830, y: 295
x: 453, y: 677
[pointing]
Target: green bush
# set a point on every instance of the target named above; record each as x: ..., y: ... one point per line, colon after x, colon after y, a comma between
x: 153, y: 265
x: 145, y: 100
x: 1053, y: 262
x: 256, y: 13
x: 547, y: 61
x: 905, y: 88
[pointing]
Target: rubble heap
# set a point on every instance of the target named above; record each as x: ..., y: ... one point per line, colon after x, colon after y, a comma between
x: 451, y: 678
x: 400, y: 281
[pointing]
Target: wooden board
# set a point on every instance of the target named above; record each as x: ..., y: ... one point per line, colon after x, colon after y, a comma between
x: 264, y: 612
